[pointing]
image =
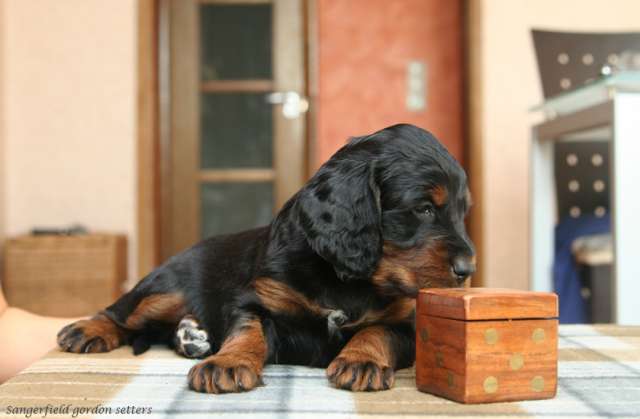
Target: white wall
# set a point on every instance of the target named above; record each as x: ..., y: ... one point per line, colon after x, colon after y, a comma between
x: 69, y: 93
x: 504, y: 71
x: 2, y: 137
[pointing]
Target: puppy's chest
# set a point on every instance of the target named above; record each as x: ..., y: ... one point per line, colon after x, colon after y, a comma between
x: 341, y: 311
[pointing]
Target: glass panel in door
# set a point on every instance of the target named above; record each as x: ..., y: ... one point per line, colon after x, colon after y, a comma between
x: 236, y: 122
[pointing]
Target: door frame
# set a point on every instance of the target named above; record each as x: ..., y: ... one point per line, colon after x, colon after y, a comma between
x: 154, y: 124
x: 148, y: 211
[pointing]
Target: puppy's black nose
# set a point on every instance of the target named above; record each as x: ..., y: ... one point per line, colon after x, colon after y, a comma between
x: 462, y: 267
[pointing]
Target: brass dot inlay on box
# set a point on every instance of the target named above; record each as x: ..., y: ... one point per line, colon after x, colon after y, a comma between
x: 490, y: 384
x: 450, y: 378
x: 537, y: 383
x: 516, y: 361
x: 491, y: 336
x: 424, y: 335
x: 538, y: 335
x: 439, y: 359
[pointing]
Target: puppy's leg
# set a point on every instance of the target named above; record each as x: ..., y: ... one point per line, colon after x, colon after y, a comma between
x: 190, y: 339
x: 155, y: 299
x: 237, y: 366
x: 369, y: 359
x: 98, y: 334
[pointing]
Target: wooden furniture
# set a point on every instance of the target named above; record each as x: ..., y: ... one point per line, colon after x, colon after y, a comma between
x: 608, y: 109
x: 479, y: 345
x: 64, y: 275
x: 582, y: 183
x: 581, y: 108
x: 569, y: 60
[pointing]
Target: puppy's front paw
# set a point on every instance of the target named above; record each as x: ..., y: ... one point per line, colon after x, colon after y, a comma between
x: 98, y: 334
x: 190, y: 340
x: 359, y: 374
x: 223, y: 374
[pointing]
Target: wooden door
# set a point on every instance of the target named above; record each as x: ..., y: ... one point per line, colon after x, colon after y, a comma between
x: 236, y: 143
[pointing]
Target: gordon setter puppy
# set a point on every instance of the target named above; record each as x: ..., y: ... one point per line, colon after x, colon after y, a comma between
x: 331, y: 282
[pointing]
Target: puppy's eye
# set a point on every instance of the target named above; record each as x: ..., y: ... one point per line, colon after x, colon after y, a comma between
x: 427, y: 211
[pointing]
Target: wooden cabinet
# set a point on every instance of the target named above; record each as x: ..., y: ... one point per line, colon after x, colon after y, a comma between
x: 64, y: 275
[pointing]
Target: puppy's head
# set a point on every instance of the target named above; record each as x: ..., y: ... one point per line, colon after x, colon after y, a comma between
x: 390, y: 208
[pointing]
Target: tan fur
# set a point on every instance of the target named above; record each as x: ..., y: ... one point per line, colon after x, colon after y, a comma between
x: 280, y: 298
x: 101, y: 334
x: 112, y: 336
x: 368, y: 346
x: 396, y: 312
x: 237, y: 366
x: 414, y: 268
x: 439, y: 195
x: 167, y: 308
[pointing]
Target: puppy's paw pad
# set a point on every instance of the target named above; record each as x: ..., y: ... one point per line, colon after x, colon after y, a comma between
x: 95, y: 335
x: 217, y: 376
x: 335, y: 320
x: 360, y: 375
x: 190, y: 340
x: 195, y: 349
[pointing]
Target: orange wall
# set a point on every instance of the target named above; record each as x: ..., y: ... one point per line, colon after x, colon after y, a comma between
x: 363, y: 52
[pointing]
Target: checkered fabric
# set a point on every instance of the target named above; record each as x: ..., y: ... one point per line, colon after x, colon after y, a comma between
x: 599, y: 376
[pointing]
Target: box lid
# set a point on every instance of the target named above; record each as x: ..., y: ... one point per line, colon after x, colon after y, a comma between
x: 486, y: 303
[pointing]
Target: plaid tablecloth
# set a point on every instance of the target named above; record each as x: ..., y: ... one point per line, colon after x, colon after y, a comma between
x: 599, y: 376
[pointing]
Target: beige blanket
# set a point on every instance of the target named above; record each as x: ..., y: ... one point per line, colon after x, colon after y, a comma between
x: 599, y: 376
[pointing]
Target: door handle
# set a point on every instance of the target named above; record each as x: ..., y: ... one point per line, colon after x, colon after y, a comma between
x: 293, y: 104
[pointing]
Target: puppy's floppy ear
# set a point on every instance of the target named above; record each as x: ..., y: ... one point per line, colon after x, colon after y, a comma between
x: 339, y: 213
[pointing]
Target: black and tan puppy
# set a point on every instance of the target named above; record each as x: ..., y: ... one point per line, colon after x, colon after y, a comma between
x: 330, y: 282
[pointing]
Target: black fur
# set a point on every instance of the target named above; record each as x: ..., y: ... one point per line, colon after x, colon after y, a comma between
x: 326, y: 243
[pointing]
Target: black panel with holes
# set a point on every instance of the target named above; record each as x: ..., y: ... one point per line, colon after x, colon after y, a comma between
x: 596, y: 282
x: 567, y: 60
x: 582, y: 178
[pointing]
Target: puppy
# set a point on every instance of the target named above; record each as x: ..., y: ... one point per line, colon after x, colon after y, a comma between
x: 331, y: 282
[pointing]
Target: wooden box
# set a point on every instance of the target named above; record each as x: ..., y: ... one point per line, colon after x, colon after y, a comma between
x: 480, y: 345
x: 64, y: 275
